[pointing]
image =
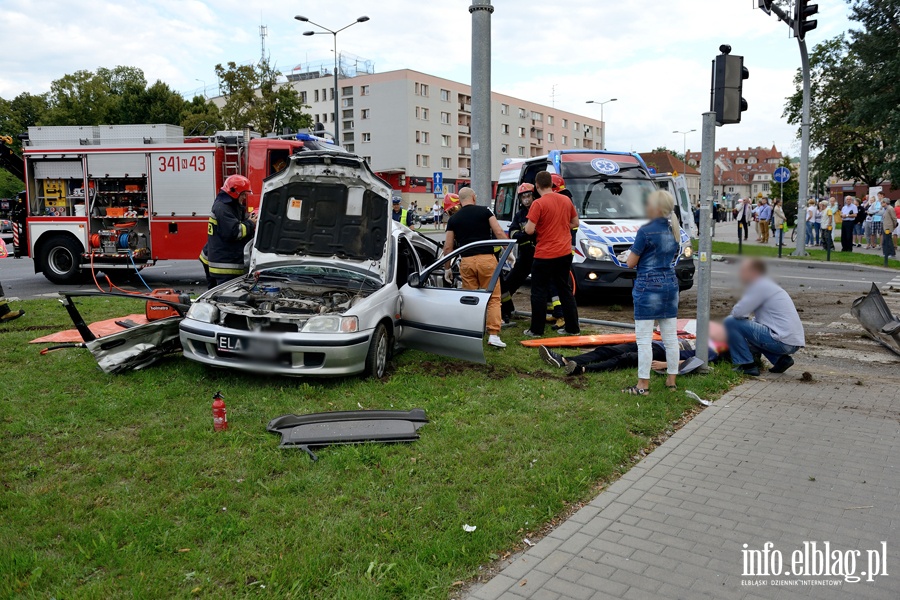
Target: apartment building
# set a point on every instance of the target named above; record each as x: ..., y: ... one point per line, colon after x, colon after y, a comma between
x: 411, y: 125
x: 743, y: 173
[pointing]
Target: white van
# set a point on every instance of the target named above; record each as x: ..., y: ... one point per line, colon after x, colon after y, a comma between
x: 608, y: 189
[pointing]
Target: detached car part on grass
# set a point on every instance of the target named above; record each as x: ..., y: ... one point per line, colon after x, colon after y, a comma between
x: 132, y: 348
x: 350, y: 427
x: 335, y: 285
x: 873, y: 314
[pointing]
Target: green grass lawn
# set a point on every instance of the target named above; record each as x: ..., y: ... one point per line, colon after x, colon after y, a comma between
x: 772, y: 251
x: 116, y: 486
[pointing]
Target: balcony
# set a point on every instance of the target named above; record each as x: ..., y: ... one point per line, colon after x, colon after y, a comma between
x: 466, y: 108
x: 536, y: 141
x: 463, y: 173
x: 465, y: 129
x: 465, y: 152
x: 535, y: 124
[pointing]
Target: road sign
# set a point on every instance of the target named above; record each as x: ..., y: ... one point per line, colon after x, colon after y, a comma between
x: 782, y: 175
x: 438, y: 181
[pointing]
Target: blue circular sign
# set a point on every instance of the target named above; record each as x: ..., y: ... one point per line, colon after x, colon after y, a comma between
x: 781, y: 175
x: 605, y: 166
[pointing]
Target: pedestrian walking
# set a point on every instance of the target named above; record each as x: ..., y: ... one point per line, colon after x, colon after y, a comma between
x: 552, y: 218
x: 848, y: 223
x: 810, y: 222
x: 778, y: 221
x: 744, y: 217
x: 859, y: 224
x: 764, y: 215
x: 473, y: 223
x: 820, y: 210
x: 655, y: 292
x: 829, y: 216
x: 876, y: 209
x: 889, y: 222
x: 436, y: 214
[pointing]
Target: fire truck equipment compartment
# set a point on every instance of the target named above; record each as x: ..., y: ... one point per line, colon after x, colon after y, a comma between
x: 349, y: 427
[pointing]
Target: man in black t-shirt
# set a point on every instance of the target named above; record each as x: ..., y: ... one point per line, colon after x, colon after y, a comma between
x: 473, y: 223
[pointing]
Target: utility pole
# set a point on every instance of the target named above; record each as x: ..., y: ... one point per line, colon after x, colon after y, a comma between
x: 799, y: 23
x: 481, y: 11
x: 704, y: 274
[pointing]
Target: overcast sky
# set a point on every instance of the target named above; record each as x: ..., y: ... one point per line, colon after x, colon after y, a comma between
x: 653, y: 55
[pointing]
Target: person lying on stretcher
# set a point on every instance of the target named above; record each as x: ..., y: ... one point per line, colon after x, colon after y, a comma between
x: 625, y: 356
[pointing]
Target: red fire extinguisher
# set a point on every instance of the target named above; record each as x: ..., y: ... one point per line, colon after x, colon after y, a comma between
x: 220, y: 418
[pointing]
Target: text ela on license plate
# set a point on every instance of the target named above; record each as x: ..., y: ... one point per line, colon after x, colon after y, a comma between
x: 236, y: 344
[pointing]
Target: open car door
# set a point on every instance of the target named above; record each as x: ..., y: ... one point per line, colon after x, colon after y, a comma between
x: 448, y: 321
x: 684, y: 204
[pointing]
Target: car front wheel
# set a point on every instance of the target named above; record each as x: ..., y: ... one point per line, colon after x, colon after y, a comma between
x: 379, y: 353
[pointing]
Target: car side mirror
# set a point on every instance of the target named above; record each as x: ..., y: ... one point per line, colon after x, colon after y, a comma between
x: 414, y: 280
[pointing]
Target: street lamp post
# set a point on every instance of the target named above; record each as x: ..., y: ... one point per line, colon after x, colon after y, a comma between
x: 337, y: 110
x: 684, y: 146
x: 602, y: 120
x: 204, y: 87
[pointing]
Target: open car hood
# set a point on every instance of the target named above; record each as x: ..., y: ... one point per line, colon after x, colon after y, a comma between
x: 324, y: 204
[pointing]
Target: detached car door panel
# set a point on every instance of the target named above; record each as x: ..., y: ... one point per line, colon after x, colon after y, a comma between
x: 447, y: 321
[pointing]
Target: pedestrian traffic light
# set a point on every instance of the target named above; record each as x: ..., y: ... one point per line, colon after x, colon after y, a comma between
x: 729, y: 74
x: 803, y: 10
x: 766, y: 5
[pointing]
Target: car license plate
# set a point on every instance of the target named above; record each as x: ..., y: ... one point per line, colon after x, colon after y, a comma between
x: 237, y: 344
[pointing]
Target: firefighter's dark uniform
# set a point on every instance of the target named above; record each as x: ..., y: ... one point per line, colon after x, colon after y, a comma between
x: 228, y: 232
x: 524, y: 261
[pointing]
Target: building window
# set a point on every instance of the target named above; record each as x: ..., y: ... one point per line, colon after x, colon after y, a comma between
x: 366, y: 137
x: 421, y: 113
x: 421, y: 89
x: 575, y: 126
x: 348, y: 114
x: 521, y: 132
x: 316, y: 96
x: 504, y: 109
x: 348, y: 147
x: 565, y: 140
x: 549, y: 137
x: 330, y: 94
x: 333, y: 117
x: 303, y: 97
x: 504, y: 129
x: 363, y: 90
x: 422, y: 160
x: 348, y: 125
x: 365, y: 113
x: 765, y: 187
x: 445, y: 162
x: 549, y: 119
x: 424, y: 114
x: 504, y: 148
x: 523, y: 113
x: 347, y: 91
x: 347, y: 102
x: 445, y: 118
x: 445, y: 95
x: 565, y: 123
x: 537, y: 116
x: 421, y: 137
x: 368, y: 159
x: 445, y: 141
x: 521, y: 150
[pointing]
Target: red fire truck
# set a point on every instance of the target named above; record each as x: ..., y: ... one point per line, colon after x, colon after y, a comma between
x: 121, y: 197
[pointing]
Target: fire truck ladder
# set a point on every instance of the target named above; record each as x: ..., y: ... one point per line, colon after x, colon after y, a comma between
x: 231, y: 163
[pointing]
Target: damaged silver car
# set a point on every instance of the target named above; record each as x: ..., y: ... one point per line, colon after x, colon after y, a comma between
x: 335, y: 285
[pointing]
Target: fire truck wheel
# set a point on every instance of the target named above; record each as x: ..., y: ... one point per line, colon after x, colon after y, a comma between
x: 61, y: 259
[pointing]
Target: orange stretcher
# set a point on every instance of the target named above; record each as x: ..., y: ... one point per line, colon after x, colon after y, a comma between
x: 100, y: 329
x: 686, y: 330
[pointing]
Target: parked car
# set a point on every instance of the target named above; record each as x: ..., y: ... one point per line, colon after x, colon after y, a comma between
x: 335, y: 285
x: 5, y: 226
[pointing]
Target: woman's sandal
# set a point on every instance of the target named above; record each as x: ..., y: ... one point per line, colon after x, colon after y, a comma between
x: 636, y: 391
x: 672, y: 388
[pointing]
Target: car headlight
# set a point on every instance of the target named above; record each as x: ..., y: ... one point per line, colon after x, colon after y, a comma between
x: 331, y: 324
x: 595, y: 250
x: 687, y: 252
x: 203, y: 311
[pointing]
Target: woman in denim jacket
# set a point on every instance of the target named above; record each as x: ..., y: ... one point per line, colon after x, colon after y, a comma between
x: 655, y: 293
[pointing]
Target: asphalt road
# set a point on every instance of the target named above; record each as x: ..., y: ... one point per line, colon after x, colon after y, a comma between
x: 19, y: 279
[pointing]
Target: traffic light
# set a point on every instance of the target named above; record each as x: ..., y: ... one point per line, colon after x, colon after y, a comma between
x: 729, y: 74
x: 803, y: 10
x: 766, y: 5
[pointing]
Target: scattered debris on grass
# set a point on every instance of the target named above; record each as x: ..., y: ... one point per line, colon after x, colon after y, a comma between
x: 694, y: 396
x: 469, y: 528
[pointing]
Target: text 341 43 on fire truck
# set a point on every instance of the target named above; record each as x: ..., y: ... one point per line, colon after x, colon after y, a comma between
x: 120, y: 197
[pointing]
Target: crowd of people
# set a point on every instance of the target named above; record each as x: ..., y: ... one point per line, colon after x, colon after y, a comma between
x: 763, y: 323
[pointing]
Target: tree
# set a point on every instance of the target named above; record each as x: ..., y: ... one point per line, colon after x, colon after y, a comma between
x: 855, y: 124
x: 254, y: 98
x: 674, y: 153
x: 9, y: 184
x: 20, y: 113
x: 201, y: 117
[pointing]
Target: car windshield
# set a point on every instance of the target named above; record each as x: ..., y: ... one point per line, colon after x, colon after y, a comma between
x: 603, y: 197
x: 321, y: 275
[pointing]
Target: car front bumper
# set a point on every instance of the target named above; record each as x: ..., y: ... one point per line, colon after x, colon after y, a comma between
x: 593, y: 275
x: 295, y: 354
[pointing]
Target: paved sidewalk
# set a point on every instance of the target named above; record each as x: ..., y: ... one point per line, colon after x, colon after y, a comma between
x: 727, y: 232
x: 775, y: 460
